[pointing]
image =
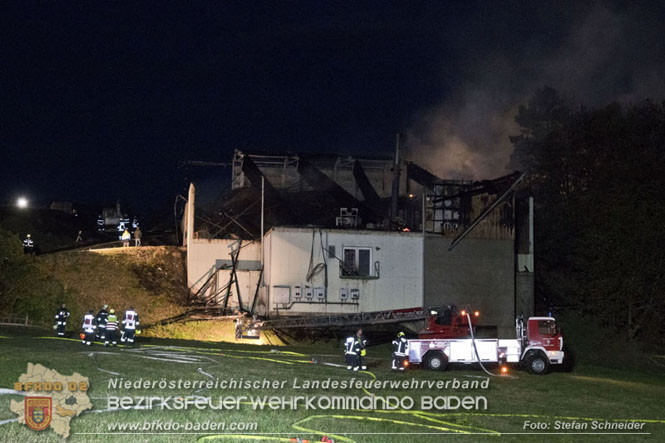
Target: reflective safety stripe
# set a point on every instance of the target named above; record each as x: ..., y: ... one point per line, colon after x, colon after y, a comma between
x: 400, y: 346
x: 349, y: 345
x: 130, y: 320
x: 88, y: 322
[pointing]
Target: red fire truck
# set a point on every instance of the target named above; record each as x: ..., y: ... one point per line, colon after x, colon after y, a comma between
x: 538, y: 345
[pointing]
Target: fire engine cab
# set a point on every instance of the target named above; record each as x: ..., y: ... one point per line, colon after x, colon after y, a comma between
x: 538, y: 345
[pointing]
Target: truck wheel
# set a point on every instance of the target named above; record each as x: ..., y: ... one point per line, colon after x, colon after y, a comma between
x: 537, y: 364
x: 435, y: 361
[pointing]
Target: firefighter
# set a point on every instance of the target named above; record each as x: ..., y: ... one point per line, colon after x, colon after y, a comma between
x: 102, y: 315
x: 88, y: 328
x: 28, y: 245
x: 129, y: 323
x: 111, y: 336
x: 350, y: 353
x: 360, y: 350
x: 135, y: 223
x: 61, y: 316
x: 400, y: 349
x: 120, y: 229
x: 100, y: 223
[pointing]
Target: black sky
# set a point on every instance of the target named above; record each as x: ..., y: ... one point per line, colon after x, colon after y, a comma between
x: 100, y: 100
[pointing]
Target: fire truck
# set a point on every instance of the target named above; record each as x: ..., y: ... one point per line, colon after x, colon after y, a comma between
x: 448, y: 322
x: 538, y: 345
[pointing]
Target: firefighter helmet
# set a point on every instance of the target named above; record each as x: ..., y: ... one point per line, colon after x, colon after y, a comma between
x: 400, y: 334
x: 112, y: 311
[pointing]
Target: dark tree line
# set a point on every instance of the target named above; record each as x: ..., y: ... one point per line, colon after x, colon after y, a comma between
x: 598, y: 177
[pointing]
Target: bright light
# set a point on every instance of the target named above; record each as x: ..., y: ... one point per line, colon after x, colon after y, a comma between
x: 476, y: 314
x: 463, y: 313
x: 504, y: 370
x: 22, y: 202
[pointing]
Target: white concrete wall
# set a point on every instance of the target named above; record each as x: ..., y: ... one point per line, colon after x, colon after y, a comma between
x: 399, y: 285
x: 204, y: 256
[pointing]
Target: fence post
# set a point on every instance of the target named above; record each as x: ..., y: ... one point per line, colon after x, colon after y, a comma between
x: 26, y: 319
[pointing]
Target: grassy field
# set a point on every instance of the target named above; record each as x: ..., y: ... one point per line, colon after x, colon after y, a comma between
x: 588, y: 393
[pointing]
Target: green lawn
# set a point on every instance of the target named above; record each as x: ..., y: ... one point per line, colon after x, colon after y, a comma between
x: 588, y: 393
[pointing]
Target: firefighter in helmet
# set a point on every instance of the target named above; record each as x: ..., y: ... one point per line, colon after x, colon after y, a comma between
x: 360, y: 348
x: 111, y: 336
x: 28, y: 245
x: 61, y: 316
x: 102, y: 315
x: 400, y: 350
x: 129, y: 323
x: 354, y: 351
x: 349, y: 352
x: 88, y: 327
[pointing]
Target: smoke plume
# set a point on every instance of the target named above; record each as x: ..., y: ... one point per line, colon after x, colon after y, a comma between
x: 596, y: 55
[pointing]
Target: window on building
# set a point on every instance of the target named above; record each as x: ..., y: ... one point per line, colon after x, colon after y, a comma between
x: 357, y: 262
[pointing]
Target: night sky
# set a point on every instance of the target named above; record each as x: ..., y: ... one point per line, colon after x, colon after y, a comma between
x: 100, y: 100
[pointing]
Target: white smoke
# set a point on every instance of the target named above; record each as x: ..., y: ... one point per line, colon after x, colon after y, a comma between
x: 604, y: 56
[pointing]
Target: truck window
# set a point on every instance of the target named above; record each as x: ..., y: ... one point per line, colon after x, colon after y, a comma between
x: 444, y: 317
x: 546, y: 327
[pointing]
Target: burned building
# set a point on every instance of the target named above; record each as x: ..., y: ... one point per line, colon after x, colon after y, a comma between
x: 310, y: 234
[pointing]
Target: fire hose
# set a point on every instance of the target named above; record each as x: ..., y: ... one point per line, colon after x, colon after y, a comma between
x: 473, y: 342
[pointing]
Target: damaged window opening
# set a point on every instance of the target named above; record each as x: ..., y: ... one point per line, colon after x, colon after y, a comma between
x: 357, y: 263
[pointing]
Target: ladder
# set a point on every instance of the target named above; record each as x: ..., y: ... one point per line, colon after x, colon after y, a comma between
x: 357, y: 318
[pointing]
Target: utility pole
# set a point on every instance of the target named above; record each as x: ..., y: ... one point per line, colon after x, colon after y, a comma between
x: 262, y: 210
x: 395, y: 190
x: 422, y: 216
x: 190, y: 215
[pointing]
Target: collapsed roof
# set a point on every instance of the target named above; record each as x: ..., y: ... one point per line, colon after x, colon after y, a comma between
x: 335, y: 191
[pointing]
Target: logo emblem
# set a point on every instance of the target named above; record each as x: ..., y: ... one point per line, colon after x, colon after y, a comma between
x: 38, y: 412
